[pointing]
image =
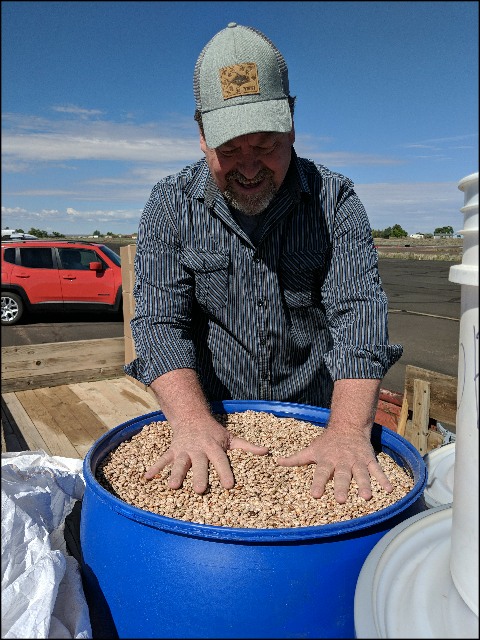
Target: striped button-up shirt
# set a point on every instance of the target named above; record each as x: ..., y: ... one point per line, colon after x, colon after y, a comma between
x: 279, y: 313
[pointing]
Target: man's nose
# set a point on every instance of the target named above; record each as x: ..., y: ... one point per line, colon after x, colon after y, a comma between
x: 249, y: 165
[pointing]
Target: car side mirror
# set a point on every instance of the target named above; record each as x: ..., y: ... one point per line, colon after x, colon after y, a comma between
x: 96, y: 266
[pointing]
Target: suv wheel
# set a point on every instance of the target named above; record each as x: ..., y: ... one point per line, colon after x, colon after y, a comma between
x: 12, y: 307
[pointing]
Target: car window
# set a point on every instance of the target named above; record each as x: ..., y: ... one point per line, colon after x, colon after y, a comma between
x: 114, y: 257
x: 36, y: 257
x: 72, y: 258
x: 9, y: 255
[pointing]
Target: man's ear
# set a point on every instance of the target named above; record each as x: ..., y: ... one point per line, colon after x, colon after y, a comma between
x: 203, y: 144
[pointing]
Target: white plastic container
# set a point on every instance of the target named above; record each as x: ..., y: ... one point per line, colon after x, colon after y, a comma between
x: 464, y: 550
x: 405, y: 589
x: 440, y: 465
x: 421, y: 579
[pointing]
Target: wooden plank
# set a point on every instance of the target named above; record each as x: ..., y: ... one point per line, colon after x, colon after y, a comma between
x: 78, y: 421
x: 89, y: 420
x: 66, y: 420
x: 12, y: 439
x: 136, y: 399
x: 105, y: 406
x: 409, y: 431
x: 421, y: 412
x: 56, y: 357
x: 434, y: 440
x: 403, y: 417
x: 115, y: 401
x: 37, y: 382
x: 63, y: 418
x: 29, y: 431
x: 52, y: 433
x: 443, y: 393
x: 34, y: 366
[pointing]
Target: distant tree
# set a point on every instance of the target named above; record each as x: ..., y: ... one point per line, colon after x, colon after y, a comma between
x: 398, y: 232
x: 19, y: 230
x: 390, y: 232
x: 387, y: 232
x: 40, y: 233
x: 57, y: 234
x: 96, y: 233
x: 443, y: 231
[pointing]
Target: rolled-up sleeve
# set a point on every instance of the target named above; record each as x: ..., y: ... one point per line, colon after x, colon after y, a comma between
x: 355, y: 303
x: 163, y: 292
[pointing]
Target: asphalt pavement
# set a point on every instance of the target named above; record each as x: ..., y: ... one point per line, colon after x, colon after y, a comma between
x: 424, y: 313
x: 424, y: 316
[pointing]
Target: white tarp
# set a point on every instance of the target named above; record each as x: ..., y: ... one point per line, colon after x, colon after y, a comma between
x: 42, y: 593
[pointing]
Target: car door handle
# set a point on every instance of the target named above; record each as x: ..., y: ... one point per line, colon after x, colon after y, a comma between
x: 69, y: 277
x: 23, y: 275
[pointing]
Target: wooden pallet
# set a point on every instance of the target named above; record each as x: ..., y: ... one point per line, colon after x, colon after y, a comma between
x: 61, y: 397
x: 66, y: 420
x: 429, y: 397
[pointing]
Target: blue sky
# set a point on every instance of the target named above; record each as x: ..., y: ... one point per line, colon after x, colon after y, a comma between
x: 97, y: 103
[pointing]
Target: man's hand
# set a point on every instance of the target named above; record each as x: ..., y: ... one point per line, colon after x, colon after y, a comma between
x: 195, y: 447
x: 197, y: 438
x: 344, y: 450
x: 340, y: 455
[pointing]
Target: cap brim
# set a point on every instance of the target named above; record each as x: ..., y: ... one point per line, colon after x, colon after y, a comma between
x: 222, y: 125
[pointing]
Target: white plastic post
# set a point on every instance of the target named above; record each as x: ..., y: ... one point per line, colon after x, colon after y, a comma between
x: 464, y: 542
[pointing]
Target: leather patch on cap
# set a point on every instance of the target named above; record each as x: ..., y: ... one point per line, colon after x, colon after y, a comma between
x: 239, y: 80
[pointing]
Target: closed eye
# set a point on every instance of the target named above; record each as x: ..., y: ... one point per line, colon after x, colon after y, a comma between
x: 266, y: 150
x: 226, y: 153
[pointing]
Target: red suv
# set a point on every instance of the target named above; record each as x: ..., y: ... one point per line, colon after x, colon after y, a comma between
x: 58, y: 275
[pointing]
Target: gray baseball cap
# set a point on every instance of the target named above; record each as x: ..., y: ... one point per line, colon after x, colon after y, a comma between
x: 241, y: 86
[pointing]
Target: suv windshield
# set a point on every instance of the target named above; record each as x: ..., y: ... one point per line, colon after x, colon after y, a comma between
x: 114, y: 257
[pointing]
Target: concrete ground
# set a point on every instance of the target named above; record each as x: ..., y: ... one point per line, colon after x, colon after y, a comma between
x: 424, y: 316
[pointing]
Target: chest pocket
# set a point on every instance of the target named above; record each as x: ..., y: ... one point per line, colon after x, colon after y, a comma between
x: 211, y: 271
x: 302, y: 275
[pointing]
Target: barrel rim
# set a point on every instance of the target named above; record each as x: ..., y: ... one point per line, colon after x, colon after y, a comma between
x: 388, y: 439
x: 471, y: 178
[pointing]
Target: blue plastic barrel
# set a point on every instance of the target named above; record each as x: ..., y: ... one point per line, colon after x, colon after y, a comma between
x: 161, y: 577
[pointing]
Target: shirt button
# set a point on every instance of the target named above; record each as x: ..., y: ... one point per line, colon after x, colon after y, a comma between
x: 260, y: 302
x: 263, y: 341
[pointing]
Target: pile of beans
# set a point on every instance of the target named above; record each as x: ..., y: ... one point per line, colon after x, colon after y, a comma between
x: 265, y: 495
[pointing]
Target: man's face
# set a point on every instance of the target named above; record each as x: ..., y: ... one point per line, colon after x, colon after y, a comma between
x: 250, y: 169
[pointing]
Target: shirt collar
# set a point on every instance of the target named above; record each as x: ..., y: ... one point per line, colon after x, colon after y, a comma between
x: 302, y: 181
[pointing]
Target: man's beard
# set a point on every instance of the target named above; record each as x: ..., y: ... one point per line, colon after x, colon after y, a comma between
x: 254, y: 204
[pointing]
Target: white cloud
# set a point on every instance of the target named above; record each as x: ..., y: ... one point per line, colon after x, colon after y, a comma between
x: 442, y: 145
x: 73, y: 220
x: 447, y: 139
x: 308, y: 147
x: 415, y: 206
x: 13, y: 210
x: 78, y: 111
x: 35, y: 140
x: 52, y: 147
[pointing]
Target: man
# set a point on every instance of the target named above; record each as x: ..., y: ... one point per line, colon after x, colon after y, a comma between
x: 256, y: 278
